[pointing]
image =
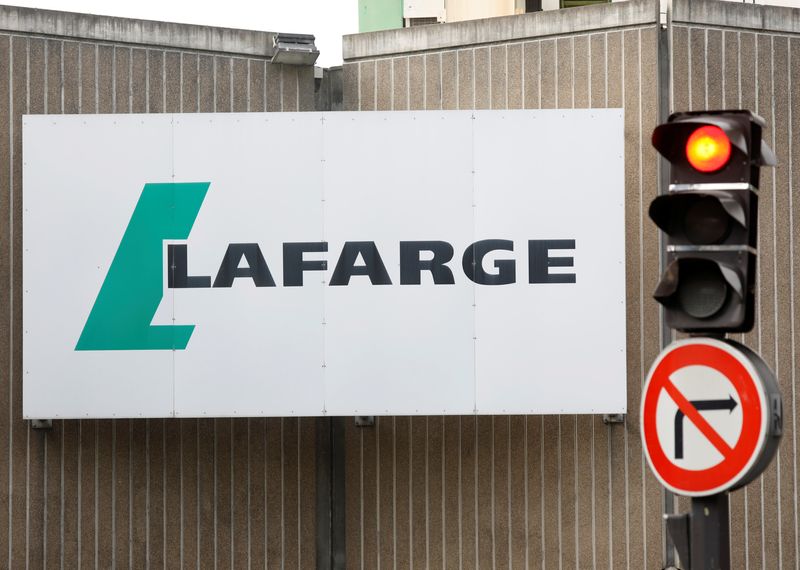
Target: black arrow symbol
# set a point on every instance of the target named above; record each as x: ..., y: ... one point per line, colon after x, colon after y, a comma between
x: 700, y: 406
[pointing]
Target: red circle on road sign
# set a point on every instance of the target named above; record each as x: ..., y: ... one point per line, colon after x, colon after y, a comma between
x: 737, y: 459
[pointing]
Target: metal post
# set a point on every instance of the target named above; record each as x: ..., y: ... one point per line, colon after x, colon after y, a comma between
x: 710, y: 541
x: 330, y: 493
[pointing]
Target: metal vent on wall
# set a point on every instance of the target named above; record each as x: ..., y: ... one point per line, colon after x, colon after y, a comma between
x: 410, y: 22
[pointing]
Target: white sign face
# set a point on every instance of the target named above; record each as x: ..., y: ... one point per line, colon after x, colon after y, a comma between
x: 444, y: 262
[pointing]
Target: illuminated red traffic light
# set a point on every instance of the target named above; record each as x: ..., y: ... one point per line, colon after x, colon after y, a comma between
x: 708, y: 149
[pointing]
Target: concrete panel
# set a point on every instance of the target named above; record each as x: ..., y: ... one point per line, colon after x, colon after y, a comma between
x: 767, y: 267
x: 206, y: 79
x: 53, y: 101
x: 635, y: 207
x: 614, y: 76
x: 383, y: 84
x: 239, y: 475
x: 580, y: 87
x: 105, y: 79
x: 366, y: 85
x: 564, y: 70
x: 187, y: 69
x: 257, y: 90
x: 36, y: 76
x: 385, y: 438
x: 87, y: 54
x: 433, y: 81
x: 730, y: 79
x: 206, y: 482
x: 400, y: 83
x: 597, y: 65
x: 466, y: 79
x: 651, y: 271
x: 532, y: 75
x: 188, y: 452
x: 567, y: 492
x: 550, y: 500
x: 402, y: 447
x: 257, y: 429
x: 223, y: 100
x: 697, y: 69
x: 469, y: 515
x: 715, y: 70
x: 240, y: 85
x: 514, y: 76
x: 18, y: 428
x: 289, y: 98
x: 170, y: 63
x: 122, y: 79
x: 273, y: 81
x: 517, y: 481
x: 449, y: 80
x: 70, y: 80
x: 498, y: 77
x: 500, y: 484
x: 451, y: 519
x: 548, y: 77
x: 680, y: 69
x: 139, y: 81
x: 482, y: 76
x: 156, y: 94
x: 483, y: 489
x: 170, y: 475
x: 782, y: 294
x: 535, y: 490
x: 416, y: 82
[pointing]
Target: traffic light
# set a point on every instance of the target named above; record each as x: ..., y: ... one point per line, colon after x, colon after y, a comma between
x: 710, y: 217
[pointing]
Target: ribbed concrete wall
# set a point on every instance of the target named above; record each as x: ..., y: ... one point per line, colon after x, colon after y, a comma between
x: 537, y: 492
x: 135, y: 493
x: 745, y: 56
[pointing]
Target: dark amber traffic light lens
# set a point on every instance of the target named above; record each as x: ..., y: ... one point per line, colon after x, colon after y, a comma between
x: 706, y: 222
x: 702, y: 291
x: 708, y: 149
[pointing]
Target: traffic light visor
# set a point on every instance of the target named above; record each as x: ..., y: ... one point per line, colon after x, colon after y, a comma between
x: 708, y: 149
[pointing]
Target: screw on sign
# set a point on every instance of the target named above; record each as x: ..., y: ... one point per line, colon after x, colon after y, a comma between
x: 711, y: 416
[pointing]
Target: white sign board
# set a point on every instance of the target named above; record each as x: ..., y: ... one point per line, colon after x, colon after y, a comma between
x: 447, y: 262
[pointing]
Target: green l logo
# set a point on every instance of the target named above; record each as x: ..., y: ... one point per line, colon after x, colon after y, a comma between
x: 121, y: 316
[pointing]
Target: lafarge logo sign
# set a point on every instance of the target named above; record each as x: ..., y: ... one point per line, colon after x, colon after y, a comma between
x: 132, y: 291
x: 324, y: 263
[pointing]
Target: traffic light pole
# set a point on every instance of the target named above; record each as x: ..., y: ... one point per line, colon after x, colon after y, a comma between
x: 702, y: 536
x: 709, y: 533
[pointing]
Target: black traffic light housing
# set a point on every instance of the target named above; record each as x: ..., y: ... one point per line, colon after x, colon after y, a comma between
x: 709, y: 216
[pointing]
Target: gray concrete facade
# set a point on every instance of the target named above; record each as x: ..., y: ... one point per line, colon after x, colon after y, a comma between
x: 139, y: 493
x: 571, y: 491
x: 456, y: 491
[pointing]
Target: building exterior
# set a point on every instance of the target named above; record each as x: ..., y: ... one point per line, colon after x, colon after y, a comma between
x: 431, y: 491
x: 376, y: 15
x: 567, y: 491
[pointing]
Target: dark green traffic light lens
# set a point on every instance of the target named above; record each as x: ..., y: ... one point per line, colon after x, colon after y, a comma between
x: 706, y: 222
x: 703, y: 290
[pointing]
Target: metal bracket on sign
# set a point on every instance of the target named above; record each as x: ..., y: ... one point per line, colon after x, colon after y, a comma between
x: 777, y: 415
x: 42, y: 424
x: 365, y: 421
x: 613, y: 418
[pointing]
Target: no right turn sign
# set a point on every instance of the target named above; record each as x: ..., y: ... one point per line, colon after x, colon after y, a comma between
x: 711, y: 415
